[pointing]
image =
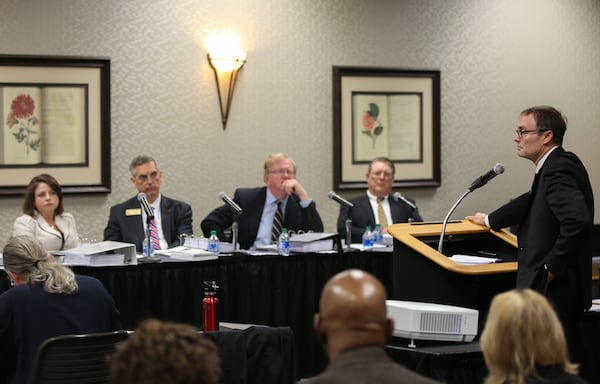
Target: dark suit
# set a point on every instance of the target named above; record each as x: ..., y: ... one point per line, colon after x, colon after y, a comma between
x: 29, y: 315
x: 252, y: 202
x: 366, y: 365
x: 555, y: 221
x: 176, y: 218
x: 363, y: 215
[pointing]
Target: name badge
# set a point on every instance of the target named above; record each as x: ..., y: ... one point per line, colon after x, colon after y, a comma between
x: 133, y: 212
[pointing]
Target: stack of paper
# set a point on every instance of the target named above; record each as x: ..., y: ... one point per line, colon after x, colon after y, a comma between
x: 100, y: 254
x: 473, y: 260
x: 95, y: 260
x: 312, y: 242
x: 187, y: 253
x: 202, y: 243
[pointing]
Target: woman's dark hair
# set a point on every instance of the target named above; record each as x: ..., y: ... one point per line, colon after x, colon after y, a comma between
x: 29, y: 200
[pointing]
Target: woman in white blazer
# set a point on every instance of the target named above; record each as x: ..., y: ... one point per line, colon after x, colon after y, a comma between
x: 44, y: 216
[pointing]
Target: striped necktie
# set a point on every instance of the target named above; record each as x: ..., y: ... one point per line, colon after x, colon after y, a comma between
x: 154, y: 233
x: 277, y: 223
x: 381, y: 212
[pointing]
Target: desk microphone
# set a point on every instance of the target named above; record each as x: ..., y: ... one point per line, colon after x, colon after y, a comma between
x: 223, y: 196
x: 398, y: 197
x: 334, y: 196
x: 143, y: 199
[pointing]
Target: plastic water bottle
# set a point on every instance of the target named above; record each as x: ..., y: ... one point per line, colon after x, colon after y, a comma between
x: 213, y: 242
x: 145, y: 248
x: 283, y: 244
x: 377, y: 234
x: 367, y: 239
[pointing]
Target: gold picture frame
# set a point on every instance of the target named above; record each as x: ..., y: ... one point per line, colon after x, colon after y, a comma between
x: 387, y: 112
x: 55, y: 119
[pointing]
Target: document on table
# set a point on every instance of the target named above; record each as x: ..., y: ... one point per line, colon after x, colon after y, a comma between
x: 473, y: 260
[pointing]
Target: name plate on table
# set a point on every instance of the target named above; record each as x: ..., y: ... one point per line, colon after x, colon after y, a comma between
x: 100, y: 254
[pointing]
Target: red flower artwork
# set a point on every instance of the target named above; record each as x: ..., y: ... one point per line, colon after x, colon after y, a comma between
x: 21, y: 117
x: 372, y: 126
x: 22, y: 106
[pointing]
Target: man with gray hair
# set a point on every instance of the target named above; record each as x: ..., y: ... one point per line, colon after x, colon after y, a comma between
x: 127, y: 221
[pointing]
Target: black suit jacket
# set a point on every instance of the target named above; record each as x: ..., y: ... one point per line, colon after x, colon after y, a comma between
x: 29, y: 315
x: 252, y: 202
x: 555, y: 222
x: 176, y: 218
x: 363, y: 215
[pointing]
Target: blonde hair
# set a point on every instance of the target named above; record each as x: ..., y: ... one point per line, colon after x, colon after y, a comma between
x: 26, y: 256
x: 521, y: 333
x: 276, y: 158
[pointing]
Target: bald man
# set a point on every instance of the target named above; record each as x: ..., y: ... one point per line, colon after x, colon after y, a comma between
x: 353, y: 325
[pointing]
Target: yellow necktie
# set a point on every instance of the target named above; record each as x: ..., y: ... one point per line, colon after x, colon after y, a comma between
x: 382, y: 218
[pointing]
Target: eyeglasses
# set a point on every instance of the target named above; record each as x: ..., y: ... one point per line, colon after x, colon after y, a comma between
x: 143, y: 178
x: 385, y: 174
x: 521, y: 132
x: 283, y: 172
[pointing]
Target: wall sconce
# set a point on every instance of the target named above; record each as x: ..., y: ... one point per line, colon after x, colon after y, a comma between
x: 226, y: 58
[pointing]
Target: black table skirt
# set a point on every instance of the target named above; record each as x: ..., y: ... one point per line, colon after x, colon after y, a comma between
x: 264, y: 290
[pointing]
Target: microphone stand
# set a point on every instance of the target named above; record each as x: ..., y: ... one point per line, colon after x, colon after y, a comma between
x: 440, y: 245
x: 148, y: 258
x: 349, y: 230
x: 234, y: 230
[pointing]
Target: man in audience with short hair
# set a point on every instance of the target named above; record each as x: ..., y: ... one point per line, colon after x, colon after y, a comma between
x: 353, y: 325
x: 283, y: 192
x: 127, y: 221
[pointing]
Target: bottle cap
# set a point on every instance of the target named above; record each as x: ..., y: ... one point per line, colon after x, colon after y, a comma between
x: 210, y: 286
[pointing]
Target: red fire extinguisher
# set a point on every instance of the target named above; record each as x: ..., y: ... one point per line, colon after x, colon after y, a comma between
x: 210, y: 318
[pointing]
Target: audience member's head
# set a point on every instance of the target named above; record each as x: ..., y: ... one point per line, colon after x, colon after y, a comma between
x: 26, y: 261
x: 160, y: 352
x: 145, y: 176
x: 352, y: 312
x: 380, y: 176
x: 521, y: 334
x: 35, y: 196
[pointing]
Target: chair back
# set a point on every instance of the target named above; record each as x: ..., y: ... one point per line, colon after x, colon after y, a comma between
x: 74, y: 358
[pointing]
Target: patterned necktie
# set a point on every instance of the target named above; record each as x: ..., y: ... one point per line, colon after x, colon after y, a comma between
x: 277, y: 223
x: 381, y: 212
x: 154, y: 233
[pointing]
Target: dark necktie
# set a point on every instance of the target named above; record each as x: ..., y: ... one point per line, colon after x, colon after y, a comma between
x: 277, y: 223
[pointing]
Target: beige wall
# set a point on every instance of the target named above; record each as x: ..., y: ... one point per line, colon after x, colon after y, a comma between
x: 496, y: 58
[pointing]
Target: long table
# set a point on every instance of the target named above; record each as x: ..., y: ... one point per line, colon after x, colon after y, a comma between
x: 266, y: 290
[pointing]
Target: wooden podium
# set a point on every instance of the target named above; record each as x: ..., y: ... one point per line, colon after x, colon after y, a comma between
x: 421, y: 273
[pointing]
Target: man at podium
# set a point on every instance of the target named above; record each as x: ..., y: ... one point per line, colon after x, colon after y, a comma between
x: 377, y: 205
x: 554, y: 219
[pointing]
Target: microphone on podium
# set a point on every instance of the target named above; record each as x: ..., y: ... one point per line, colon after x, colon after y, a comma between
x: 477, y: 183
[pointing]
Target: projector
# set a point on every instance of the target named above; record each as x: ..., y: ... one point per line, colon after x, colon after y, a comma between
x: 428, y: 321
